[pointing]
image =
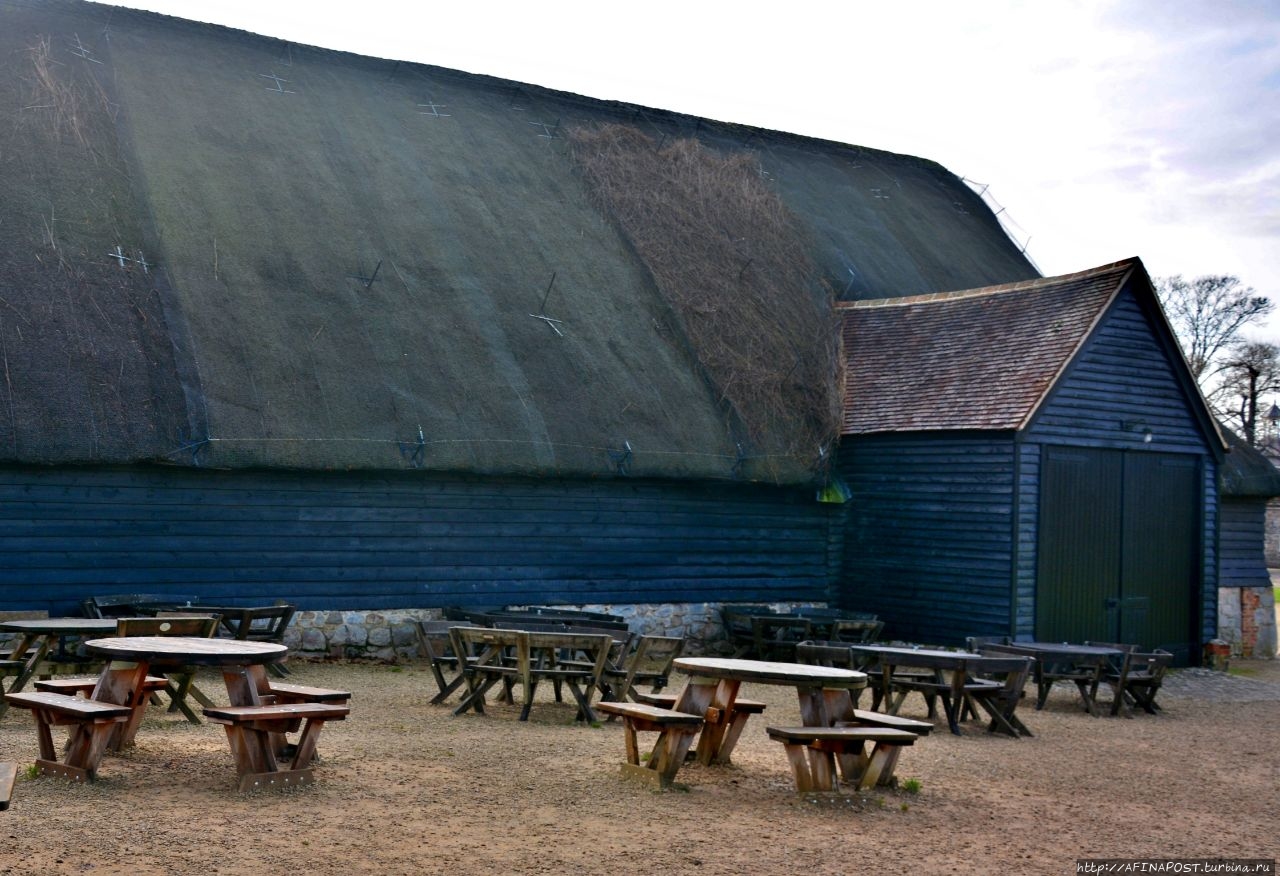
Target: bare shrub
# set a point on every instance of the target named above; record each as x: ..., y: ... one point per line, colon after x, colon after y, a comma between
x: 726, y: 254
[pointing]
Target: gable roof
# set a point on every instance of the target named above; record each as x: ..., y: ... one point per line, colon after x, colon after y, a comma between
x: 973, y: 359
x: 1247, y: 472
x: 979, y: 359
x: 317, y: 272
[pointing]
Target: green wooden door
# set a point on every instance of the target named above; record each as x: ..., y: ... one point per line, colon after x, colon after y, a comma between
x: 1118, y: 548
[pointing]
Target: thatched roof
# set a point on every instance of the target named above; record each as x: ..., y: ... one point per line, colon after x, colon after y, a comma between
x: 347, y: 259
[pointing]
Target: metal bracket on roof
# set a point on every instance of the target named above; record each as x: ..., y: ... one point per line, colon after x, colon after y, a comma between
x: 548, y: 131
x: 80, y: 50
x: 279, y: 89
x: 542, y: 311
x: 433, y: 110
x: 622, y: 458
x: 192, y: 445
x: 853, y: 274
x: 415, y: 453
x: 368, y: 281
x: 880, y: 194
x: 121, y: 258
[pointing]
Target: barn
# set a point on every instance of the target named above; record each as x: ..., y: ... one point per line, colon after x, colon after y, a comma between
x: 286, y: 323
x: 1033, y: 460
x: 279, y: 322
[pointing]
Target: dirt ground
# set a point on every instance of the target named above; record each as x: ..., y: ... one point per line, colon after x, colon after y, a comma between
x: 404, y: 787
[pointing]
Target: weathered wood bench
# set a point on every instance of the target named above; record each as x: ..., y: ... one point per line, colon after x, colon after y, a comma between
x: 8, y: 774
x: 742, y: 710
x: 813, y: 751
x: 254, y: 733
x: 301, y: 693
x: 864, y: 718
x: 675, y: 730
x: 92, y: 722
x: 85, y: 686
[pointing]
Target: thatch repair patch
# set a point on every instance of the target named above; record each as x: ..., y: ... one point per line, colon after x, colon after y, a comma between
x: 726, y: 254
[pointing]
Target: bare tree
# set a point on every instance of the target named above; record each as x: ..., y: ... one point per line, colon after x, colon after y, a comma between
x: 1207, y: 314
x: 1250, y: 371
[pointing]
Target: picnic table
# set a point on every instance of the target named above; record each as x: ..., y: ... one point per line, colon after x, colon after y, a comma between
x: 1082, y: 665
x: 43, y: 640
x: 833, y: 731
x: 713, y: 686
x: 511, y: 657
x: 256, y: 720
x: 954, y: 677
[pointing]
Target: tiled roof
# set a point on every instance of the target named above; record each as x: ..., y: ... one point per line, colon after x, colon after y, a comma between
x: 975, y: 359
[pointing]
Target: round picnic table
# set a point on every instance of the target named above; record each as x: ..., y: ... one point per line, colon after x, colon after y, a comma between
x: 36, y: 639
x: 187, y: 650
x: 130, y: 658
x: 713, y: 686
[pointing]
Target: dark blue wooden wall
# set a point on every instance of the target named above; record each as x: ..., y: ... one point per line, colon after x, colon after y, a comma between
x: 1242, y: 560
x: 929, y: 541
x: 941, y: 537
x: 358, y: 541
x: 1121, y: 382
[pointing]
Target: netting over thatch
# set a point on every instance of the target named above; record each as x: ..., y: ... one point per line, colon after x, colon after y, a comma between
x: 367, y: 264
x: 87, y: 368
x: 727, y: 255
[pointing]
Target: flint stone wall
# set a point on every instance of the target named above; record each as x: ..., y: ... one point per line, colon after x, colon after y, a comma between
x: 389, y: 635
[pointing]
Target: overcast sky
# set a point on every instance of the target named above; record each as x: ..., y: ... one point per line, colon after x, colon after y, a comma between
x: 1104, y: 129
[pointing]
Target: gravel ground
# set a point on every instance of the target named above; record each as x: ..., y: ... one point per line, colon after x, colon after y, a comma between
x: 404, y: 787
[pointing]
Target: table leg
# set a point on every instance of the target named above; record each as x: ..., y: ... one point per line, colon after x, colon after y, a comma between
x: 122, y: 683
x: 713, y: 700
x: 953, y: 702
x: 246, y: 685
x: 36, y: 657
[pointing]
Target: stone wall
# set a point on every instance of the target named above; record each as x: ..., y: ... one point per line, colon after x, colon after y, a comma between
x: 389, y: 635
x: 1272, y: 535
x: 1247, y: 620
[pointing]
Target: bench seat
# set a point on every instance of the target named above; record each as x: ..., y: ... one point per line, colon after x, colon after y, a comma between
x: 742, y: 710
x: 301, y: 693
x: 668, y: 701
x: 256, y: 735
x: 864, y: 718
x: 92, y: 721
x: 675, y: 730
x: 86, y: 685
x: 814, y: 752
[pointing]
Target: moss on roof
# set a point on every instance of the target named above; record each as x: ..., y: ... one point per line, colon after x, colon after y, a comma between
x: 348, y: 263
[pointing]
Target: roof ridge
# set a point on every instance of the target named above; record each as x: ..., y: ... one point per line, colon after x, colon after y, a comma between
x: 1021, y: 285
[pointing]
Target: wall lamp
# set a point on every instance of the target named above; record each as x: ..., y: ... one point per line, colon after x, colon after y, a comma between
x: 1138, y: 426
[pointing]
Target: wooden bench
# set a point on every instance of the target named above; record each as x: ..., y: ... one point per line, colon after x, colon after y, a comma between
x: 301, y: 693
x: 92, y: 721
x: 8, y: 774
x: 813, y: 752
x: 254, y: 733
x: 742, y: 710
x: 675, y: 730
x: 85, y: 686
x: 863, y: 718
